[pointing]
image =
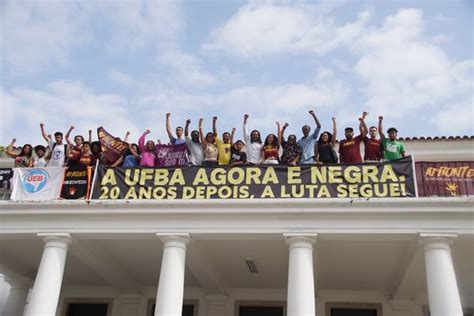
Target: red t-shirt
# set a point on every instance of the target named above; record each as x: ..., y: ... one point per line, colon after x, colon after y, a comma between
x: 373, y: 149
x: 349, y: 150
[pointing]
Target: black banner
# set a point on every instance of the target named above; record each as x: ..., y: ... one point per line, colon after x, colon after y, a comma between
x: 5, y: 176
x: 387, y: 179
x: 76, y: 183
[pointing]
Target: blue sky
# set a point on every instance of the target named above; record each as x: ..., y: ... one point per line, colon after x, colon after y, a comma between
x: 124, y: 64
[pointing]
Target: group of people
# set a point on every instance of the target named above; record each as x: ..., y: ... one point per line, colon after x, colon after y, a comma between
x: 211, y: 150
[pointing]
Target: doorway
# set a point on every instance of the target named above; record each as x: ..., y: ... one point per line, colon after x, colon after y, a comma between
x: 87, y: 309
x: 353, y: 312
x: 260, y: 311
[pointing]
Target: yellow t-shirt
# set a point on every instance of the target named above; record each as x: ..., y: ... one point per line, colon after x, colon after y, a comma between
x: 224, y: 151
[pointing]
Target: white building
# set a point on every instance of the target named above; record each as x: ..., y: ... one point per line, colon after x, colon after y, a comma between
x: 298, y: 257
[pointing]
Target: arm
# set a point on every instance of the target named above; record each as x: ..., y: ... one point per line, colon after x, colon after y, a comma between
x: 90, y: 136
x: 279, y: 134
x: 118, y: 162
x: 10, y: 151
x: 232, y: 136
x: 168, y: 126
x: 127, y: 135
x: 246, y: 131
x: 283, y: 131
x: 201, y: 134
x: 334, y: 132
x: 382, y: 135
x: 214, y: 128
x: 186, y: 128
x: 316, y: 120
x: 68, y: 140
x: 43, y: 133
x: 141, y: 140
x: 402, y: 151
x: 362, y: 126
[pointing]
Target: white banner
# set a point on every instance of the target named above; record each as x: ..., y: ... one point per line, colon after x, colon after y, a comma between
x: 37, y: 184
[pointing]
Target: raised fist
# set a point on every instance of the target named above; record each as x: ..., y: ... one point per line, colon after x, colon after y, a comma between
x: 200, y: 121
x: 188, y: 121
x: 42, y: 124
x: 380, y: 118
x: 246, y: 116
x: 311, y: 112
x: 168, y: 115
x: 148, y: 131
x: 333, y: 119
x: 286, y: 125
x: 214, y: 118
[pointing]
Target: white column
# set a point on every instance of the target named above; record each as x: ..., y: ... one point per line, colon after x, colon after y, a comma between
x: 16, y: 301
x: 169, y: 299
x: 443, y: 293
x: 45, y: 294
x: 300, y: 298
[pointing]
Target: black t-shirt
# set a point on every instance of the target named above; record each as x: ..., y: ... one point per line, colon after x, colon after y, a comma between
x: 238, y: 156
x: 326, y: 154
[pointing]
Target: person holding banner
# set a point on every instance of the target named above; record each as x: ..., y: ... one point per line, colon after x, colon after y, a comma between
x: 223, y: 146
x: 307, y: 141
x: 209, y: 147
x: 58, y: 150
x: 74, y: 150
x: 392, y: 148
x: 292, y: 152
x: 373, y: 148
x: 179, y: 132
x: 349, y: 148
x: 195, y: 149
x: 25, y: 158
x: 148, y: 151
x: 86, y: 159
x: 253, y: 144
x: 324, y: 149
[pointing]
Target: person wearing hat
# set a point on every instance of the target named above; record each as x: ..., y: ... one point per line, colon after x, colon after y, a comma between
x: 349, y: 148
x: 392, y: 148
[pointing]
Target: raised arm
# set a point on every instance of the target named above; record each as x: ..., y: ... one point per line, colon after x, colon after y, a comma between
x: 90, y: 136
x: 168, y: 126
x: 382, y: 135
x: 334, y: 133
x: 316, y: 120
x: 186, y: 128
x: 43, y: 133
x: 68, y: 140
x: 362, y: 126
x: 127, y: 135
x: 201, y: 134
x: 279, y: 133
x: 246, y: 130
x: 232, y: 136
x: 283, y: 131
x: 10, y: 151
x: 214, y: 127
x: 141, y: 140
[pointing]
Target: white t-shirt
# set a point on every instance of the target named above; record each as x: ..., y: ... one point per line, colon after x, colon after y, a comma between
x: 40, y: 162
x: 253, y: 150
x: 196, y: 152
x: 57, y: 155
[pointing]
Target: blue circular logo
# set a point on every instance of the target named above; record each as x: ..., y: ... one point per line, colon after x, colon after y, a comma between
x: 35, y: 180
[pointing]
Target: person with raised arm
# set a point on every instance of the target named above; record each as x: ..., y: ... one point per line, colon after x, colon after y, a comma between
x: 178, y: 140
x: 223, y: 146
x: 349, y: 148
x: 74, y: 151
x: 253, y: 143
x: 209, y: 147
x: 195, y: 148
x: 324, y: 149
x: 25, y: 158
x: 373, y: 148
x: 148, y: 150
x: 58, y: 149
x: 392, y: 148
x: 270, y: 149
x: 292, y: 152
x: 307, y: 141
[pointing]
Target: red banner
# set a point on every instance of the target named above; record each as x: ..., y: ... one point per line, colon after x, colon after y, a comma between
x: 172, y: 155
x: 451, y: 179
x: 112, y: 147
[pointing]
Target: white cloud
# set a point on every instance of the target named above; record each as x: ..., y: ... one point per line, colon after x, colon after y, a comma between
x: 60, y: 105
x: 260, y: 29
x: 453, y: 118
x: 35, y: 34
x: 405, y: 73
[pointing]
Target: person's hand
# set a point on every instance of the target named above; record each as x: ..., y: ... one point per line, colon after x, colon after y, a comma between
x: 72, y: 127
x: 127, y: 133
x: 233, y: 130
x: 168, y: 115
x: 13, y: 141
x: 147, y: 131
x: 380, y: 118
x: 214, y: 118
x: 246, y: 116
x: 334, y: 119
x: 41, y: 125
x: 188, y: 121
x: 311, y: 112
x: 277, y: 123
x: 286, y: 125
x: 200, y: 121
x: 90, y: 131
x: 364, y: 114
